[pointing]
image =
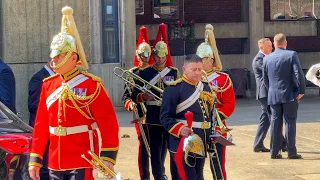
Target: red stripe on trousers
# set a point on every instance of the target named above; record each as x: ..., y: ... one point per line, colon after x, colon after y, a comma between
x: 178, y: 158
x: 140, y: 149
x: 88, y: 174
x: 223, y: 163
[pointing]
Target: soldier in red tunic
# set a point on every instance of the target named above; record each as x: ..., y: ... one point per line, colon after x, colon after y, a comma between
x: 221, y: 83
x: 74, y: 113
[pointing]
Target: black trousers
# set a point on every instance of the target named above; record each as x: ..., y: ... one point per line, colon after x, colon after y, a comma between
x: 158, y: 147
x: 143, y: 158
x: 77, y: 174
x: 195, y: 172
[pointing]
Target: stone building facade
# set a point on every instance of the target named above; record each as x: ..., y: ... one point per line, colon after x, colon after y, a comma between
x: 109, y: 28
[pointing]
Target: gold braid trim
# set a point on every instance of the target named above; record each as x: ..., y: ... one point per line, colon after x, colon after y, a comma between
x: 76, y: 101
x: 94, y: 77
x: 208, y: 97
x: 50, y: 77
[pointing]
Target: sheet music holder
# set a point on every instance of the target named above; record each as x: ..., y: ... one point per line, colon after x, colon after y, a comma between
x: 222, y: 140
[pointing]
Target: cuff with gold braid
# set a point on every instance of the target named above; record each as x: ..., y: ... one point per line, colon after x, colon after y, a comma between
x: 176, y: 129
x: 14, y: 163
x: 109, y: 154
x: 222, y: 116
x: 127, y: 104
x: 35, y: 160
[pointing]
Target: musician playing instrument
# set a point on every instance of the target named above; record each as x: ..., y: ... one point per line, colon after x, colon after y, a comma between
x: 159, y: 75
x: 141, y: 61
x: 221, y: 83
x: 75, y: 112
x: 188, y: 93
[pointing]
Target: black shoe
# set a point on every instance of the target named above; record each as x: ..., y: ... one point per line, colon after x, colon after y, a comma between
x: 262, y: 149
x: 277, y: 156
x: 284, y: 149
x: 297, y: 156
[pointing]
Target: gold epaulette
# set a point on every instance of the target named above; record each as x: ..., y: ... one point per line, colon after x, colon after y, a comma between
x: 50, y: 77
x: 227, y: 84
x: 175, y: 82
x: 178, y: 72
x: 94, y: 77
x: 174, y: 68
x: 219, y: 72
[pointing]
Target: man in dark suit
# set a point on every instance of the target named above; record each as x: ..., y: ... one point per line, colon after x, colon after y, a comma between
x: 285, y: 81
x: 7, y: 87
x: 35, y: 89
x: 35, y: 85
x: 265, y: 48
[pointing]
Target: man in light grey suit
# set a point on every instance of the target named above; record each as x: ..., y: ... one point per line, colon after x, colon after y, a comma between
x: 285, y: 81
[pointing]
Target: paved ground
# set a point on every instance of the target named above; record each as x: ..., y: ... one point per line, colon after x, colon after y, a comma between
x: 242, y: 163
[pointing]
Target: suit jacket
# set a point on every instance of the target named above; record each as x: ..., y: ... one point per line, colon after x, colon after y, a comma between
x: 7, y: 87
x: 257, y: 66
x: 34, y: 93
x: 283, y: 76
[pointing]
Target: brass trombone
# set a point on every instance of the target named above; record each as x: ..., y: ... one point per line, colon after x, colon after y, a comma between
x: 96, y: 163
x: 126, y: 75
x: 136, y: 115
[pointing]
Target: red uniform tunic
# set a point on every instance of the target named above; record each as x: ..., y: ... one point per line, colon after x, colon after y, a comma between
x: 222, y: 85
x: 82, y: 109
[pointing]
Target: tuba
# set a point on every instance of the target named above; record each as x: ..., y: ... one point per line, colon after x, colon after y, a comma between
x: 96, y: 163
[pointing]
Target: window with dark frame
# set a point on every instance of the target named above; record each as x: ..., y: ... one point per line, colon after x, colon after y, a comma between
x: 110, y: 33
x: 139, y: 7
x: 294, y: 9
x: 165, y: 9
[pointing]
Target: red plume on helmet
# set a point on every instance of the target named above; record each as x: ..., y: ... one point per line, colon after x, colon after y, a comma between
x: 162, y: 35
x: 143, y: 37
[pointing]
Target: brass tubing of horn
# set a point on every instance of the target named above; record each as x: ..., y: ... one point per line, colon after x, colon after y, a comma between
x: 125, y: 75
x: 215, y: 177
x: 142, y: 132
x: 217, y: 156
x: 96, y: 163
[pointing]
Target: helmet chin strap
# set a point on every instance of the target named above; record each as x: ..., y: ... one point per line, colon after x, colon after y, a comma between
x: 206, y: 61
x: 63, y: 62
x: 160, y: 64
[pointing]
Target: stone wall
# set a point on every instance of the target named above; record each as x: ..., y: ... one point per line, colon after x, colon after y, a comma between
x: 28, y: 29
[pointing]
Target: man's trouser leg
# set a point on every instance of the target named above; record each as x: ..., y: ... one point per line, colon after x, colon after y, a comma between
x: 264, y: 124
x: 221, y: 150
x: 189, y: 173
x: 77, y: 174
x: 156, y: 144
x: 290, y: 111
x: 173, y: 168
x: 143, y: 158
x: 276, y: 128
